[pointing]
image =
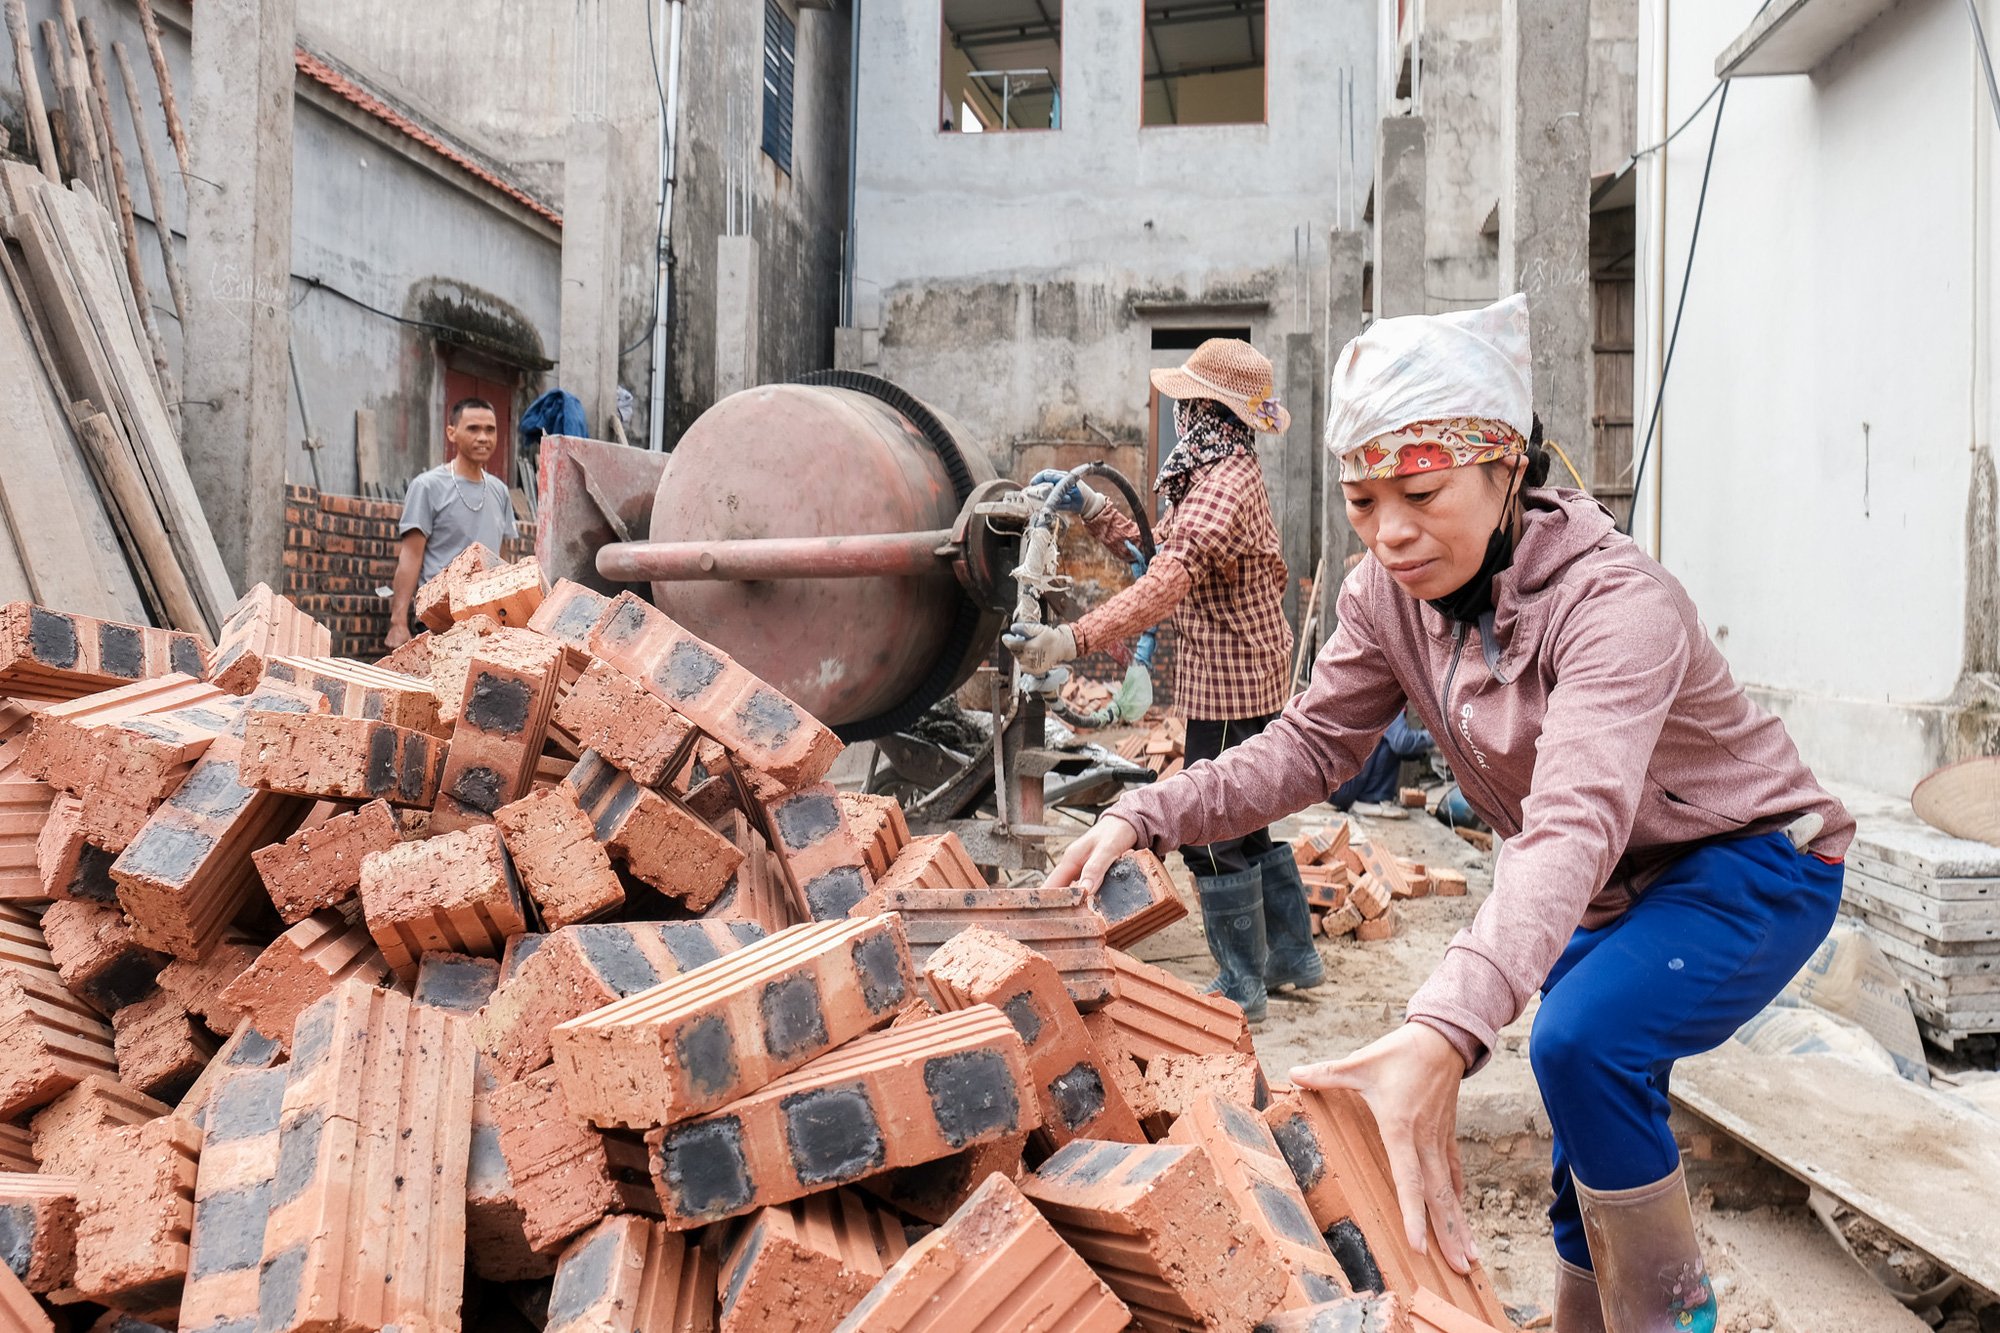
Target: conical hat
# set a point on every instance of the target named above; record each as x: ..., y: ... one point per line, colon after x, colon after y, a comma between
x: 1963, y: 799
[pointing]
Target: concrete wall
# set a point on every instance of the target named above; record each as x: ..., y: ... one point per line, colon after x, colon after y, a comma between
x: 1014, y: 279
x: 1828, y: 424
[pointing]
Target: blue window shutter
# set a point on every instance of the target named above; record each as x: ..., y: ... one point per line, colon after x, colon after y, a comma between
x: 781, y: 54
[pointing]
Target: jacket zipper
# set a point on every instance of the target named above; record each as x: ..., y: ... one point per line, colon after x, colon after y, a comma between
x: 1465, y: 763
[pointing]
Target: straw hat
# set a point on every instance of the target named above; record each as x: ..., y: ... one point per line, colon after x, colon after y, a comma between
x: 1235, y: 374
x: 1963, y: 799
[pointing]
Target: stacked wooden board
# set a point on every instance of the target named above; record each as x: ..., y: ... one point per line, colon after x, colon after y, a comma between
x: 1932, y: 902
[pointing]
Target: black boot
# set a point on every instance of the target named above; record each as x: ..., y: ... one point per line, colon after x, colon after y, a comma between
x: 1288, y: 924
x: 1232, y: 916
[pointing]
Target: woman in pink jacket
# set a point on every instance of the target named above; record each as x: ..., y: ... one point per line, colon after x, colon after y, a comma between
x: 1668, y: 861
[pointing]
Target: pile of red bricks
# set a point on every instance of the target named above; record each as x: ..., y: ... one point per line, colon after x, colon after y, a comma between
x: 1353, y: 888
x: 538, y: 963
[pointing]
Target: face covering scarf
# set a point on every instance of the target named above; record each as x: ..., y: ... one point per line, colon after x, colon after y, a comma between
x: 1209, y: 433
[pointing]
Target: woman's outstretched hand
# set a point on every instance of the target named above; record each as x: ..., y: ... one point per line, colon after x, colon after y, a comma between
x: 1084, y: 862
x: 1410, y: 1080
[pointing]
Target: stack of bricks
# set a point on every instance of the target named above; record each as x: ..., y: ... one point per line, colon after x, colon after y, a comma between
x: 540, y: 962
x: 1353, y: 887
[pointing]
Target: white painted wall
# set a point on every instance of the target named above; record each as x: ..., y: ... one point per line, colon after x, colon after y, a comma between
x: 1815, y: 448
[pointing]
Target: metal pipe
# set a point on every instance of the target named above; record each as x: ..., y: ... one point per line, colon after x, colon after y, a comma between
x: 864, y: 556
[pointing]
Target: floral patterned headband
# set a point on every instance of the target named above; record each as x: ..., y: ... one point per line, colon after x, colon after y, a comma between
x: 1432, y: 446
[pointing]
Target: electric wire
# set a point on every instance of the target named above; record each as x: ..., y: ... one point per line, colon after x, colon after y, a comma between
x: 660, y: 219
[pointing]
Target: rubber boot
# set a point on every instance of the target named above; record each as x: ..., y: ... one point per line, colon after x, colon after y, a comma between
x: 1232, y: 917
x: 1577, y: 1307
x: 1650, y: 1275
x: 1288, y: 924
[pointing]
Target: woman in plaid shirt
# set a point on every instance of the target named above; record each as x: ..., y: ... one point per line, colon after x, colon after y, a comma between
x: 1219, y: 575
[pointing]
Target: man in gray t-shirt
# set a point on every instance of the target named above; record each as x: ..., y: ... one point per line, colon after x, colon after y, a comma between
x: 449, y: 508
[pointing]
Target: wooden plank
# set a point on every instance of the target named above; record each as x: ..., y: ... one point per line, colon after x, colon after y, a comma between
x: 367, y: 452
x: 128, y: 491
x: 1911, y: 1159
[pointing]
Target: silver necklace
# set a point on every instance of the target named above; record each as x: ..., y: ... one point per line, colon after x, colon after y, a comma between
x: 479, y: 485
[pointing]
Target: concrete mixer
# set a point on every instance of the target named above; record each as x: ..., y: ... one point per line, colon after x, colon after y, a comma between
x: 839, y: 538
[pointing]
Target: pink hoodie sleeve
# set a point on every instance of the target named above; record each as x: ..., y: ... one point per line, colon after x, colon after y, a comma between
x: 1319, y: 741
x: 1618, y: 663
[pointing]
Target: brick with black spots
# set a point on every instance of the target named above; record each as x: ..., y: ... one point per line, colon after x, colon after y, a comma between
x: 302, y: 967
x: 1056, y: 923
x: 66, y: 866
x: 98, y: 956
x: 891, y: 1099
x: 826, y: 862
x: 783, y: 746
x: 1160, y: 1229
x: 804, y: 1265
x: 331, y: 758
x: 46, y: 654
x: 188, y: 873
x: 232, y: 1198
x: 757, y: 892
x: 38, y: 1228
x: 161, y: 1048
x: 453, y: 893
x: 319, y: 866
x: 1364, y: 1314
x: 509, y: 593
x: 1080, y: 1098
x: 503, y: 719
x: 1136, y: 899
x: 565, y: 1174
x: 710, y: 1036
x: 605, y: 710
x: 627, y: 1273
x: 571, y: 971
x: 496, y: 1238
x: 656, y: 838
x: 432, y: 603
x: 133, y: 1222
x: 932, y: 1191
x: 367, y: 1220
x: 262, y: 626
x: 1257, y: 1177
x: 245, y: 1049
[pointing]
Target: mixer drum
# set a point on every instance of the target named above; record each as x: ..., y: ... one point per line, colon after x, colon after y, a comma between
x: 796, y: 460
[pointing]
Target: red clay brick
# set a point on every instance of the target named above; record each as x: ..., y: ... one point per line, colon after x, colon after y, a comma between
x: 1381, y: 928
x: 565, y: 1174
x: 757, y: 891
x: 570, y: 614
x: 320, y: 865
x: 24, y: 806
x: 629, y: 1274
x: 375, y: 693
x: 1055, y: 923
x: 561, y: 864
x: 456, y: 982
x: 1159, y: 1014
x: 433, y: 600
x: 1369, y: 896
x: 379, y: 1091
x: 1432, y: 1313
x: 935, y: 861
x: 340, y: 758
x: 17, y: 1149
x: 825, y: 862
x: 97, y: 955
x: 1123, y: 1067
x: 262, y: 626
x: 511, y: 594
x: 199, y: 986
x: 1157, y: 1225
x: 1321, y: 845
x: 1345, y: 1145
x: 66, y: 865
x: 188, y: 873
x: 934, y: 1190
x: 51, y: 1040
x: 1257, y: 1177
x: 451, y: 659
x: 38, y: 1216
x: 20, y: 1311
x: 1447, y: 883
x: 701, y: 1040
x: 804, y: 1265
x: 495, y: 1227
x: 302, y: 967
x: 574, y: 970
x: 71, y: 1131
x: 1178, y: 1081
x: 654, y: 837
x: 1079, y: 1097
x: 232, y: 1198
x: 161, y: 1049
x: 67, y: 740
x: 1351, y: 1314
x: 783, y: 745
x: 607, y: 711
x: 1136, y: 900
x: 1342, y: 920
x: 1385, y: 870
x: 456, y: 893
x: 877, y: 823
x: 124, y: 767
x: 245, y: 1049
x: 887, y: 1100
x: 503, y: 718
x: 412, y: 659
x: 133, y: 1220
x: 48, y: 654
x: 996, y: 1264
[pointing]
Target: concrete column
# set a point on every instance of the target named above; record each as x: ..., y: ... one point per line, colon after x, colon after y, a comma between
x: 736, y: 309
x: 1399, y: 217
x: 590, y: 259
x: 1545, y: 204
x: 1337, y: 540
x: 1293, y: 507
x: 235, y: 342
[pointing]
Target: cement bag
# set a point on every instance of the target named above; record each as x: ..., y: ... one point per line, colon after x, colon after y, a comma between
x: 1787, y: 1027
x: 1848, y: 977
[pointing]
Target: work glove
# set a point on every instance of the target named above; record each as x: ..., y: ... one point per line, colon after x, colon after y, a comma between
x: 1076, y: 498
x: 1040, y: 648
